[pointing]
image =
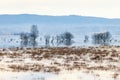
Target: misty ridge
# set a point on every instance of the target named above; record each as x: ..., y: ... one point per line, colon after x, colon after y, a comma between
x: 37, y: 19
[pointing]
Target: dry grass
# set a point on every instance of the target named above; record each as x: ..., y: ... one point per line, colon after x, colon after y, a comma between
x: 72, y: 58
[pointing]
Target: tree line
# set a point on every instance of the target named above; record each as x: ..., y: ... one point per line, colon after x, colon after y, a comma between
x: 29, y: 39
x: 66, y: 38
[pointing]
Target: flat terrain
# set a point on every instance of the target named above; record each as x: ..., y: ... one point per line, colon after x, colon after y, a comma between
x: 64, y: 63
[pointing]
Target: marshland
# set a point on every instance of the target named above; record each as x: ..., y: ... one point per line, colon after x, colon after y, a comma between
x: 73, y: 52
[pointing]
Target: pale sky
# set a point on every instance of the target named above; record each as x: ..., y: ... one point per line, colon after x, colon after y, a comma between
x: 98, y: 8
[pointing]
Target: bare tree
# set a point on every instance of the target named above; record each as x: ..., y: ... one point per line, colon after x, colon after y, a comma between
x: 24, y: 39
x: 102, y: 38
x: 47, y: 40
x: 34, y: 32
x: 52, y: 40
x: 67, y: 37
x: 58, y: 39
x: 33, y: 35
x: 86, y: 39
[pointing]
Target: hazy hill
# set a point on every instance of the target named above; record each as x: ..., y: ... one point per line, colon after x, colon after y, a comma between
x: 37, y: 19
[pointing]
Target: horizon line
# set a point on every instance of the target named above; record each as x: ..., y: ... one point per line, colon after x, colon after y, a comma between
x: 58, y: 15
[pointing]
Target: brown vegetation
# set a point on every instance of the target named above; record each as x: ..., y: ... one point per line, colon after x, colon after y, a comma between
x: 61, y: 58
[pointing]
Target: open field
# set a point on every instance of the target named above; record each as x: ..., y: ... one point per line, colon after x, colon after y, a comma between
x: 60, y: 63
